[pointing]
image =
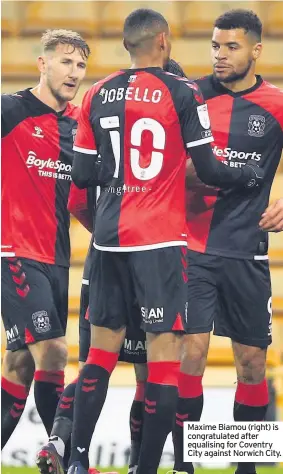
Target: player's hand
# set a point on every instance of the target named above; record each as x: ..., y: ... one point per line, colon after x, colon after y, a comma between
x: 272, y: 218
x: 254, y: 173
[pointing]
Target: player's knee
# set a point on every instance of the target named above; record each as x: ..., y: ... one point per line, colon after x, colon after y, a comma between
x: 163, y: 347
x: 51, y: 354
x: 18, y: 367
x: 194, y: 353
x: 251, y: 365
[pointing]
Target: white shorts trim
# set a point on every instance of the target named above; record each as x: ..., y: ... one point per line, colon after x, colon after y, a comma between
x: 261, y: 257
x: 85, y: 150
x: 8, y: 254
x: 85, y: 282
x: 140, y: 248
x: 202, y: 141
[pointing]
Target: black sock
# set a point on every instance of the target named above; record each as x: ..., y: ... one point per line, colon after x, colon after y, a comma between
x: 63, y: 422
x: 91, y: 391
x: 136, y: 425
x: 13, y: 401
x: 160, y: 405
x: 189, y: 408
x: 251, y: 402
x: 48, y: 386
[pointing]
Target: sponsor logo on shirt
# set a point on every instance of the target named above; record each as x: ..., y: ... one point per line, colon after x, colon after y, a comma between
x: 236, y: 154
x: 44, y: 166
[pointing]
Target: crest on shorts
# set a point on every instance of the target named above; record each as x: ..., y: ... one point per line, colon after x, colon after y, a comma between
x: 41, y: 322
x: 256, y: 125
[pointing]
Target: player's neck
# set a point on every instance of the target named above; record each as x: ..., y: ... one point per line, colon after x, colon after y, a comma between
x: 242, y: 85
x: 144, y: 62
x: 43, y: 93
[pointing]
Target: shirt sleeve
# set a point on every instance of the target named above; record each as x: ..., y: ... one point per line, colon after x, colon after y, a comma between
x: 193, y: 115
x: 85, y: 150
x: 85, y: 141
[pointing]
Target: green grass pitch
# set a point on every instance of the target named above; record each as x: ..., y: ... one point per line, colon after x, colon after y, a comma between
x: 260, y: 470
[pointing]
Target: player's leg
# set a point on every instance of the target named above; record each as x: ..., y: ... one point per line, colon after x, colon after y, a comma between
x: 50, y: 457
x: 17, y: 376
x: 137, y: 416
x: 134, y: 351
x: 44, y: 333
x: 18, y: 365
x: 161, y: 293
x: 246, y: 319
x: 202, y: 306
x: 109, y: 283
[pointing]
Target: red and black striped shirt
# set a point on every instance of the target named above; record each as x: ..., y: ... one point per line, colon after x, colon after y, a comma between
x: 36, y: 176
x: 245, y: 125
x: 140, y: 122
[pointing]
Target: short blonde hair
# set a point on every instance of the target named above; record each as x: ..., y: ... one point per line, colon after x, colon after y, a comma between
x: 51, y: 38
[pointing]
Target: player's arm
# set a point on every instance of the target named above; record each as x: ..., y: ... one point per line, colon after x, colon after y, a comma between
x: 80, y: 207
x: 84, y: 170
x: 272, y: 218
x: 197, y: 136
x: 192, y: 179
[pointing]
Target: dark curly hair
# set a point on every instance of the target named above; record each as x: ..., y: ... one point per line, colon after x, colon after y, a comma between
x: 240, y: 18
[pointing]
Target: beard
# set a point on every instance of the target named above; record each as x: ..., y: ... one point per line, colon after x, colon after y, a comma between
x: 234, y: 76
x: 61, y: 98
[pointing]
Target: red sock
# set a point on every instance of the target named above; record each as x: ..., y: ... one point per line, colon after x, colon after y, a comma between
x: 190, y: 386
x: 252, y: 395
x: 105, y: 359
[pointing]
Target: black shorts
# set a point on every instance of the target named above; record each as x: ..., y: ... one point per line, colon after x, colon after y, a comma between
x: 34, y: 301
x: 155, y: 279
x: 134, y: 348
x: 233, y: 295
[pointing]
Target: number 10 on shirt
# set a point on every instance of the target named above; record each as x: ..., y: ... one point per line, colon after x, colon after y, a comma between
x: 159, y: 139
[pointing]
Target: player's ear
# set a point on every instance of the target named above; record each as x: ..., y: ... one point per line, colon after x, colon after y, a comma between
x: 161, y: 38
x: 125, y: 45
x: 257, y: 51
x: 41, y: 64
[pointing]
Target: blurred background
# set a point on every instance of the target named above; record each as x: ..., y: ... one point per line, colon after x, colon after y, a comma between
x: 101, y: 22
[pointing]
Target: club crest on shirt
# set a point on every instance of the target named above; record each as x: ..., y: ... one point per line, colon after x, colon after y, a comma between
x: 41, y: 321
x: 256, y: 125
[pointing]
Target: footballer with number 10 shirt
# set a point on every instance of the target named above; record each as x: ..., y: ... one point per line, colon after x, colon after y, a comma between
x: 141, y: 122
